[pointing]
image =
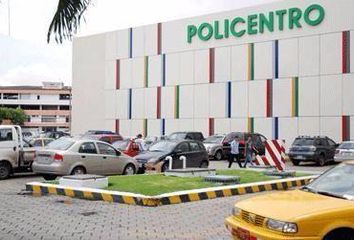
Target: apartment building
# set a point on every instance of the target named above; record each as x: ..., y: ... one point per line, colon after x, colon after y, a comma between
x: 47, y: 107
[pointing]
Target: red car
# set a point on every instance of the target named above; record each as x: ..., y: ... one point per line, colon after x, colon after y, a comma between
x: 127, y: 146
x: 108, y: 138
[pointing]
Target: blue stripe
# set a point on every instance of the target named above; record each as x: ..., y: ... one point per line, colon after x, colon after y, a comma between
x: 275, y: 128
x: 130, y: 42
x: 163, y: 70
x: 228, y: 100
x: 163, y: 126
x: 275, y: 59
x: 130, y: 92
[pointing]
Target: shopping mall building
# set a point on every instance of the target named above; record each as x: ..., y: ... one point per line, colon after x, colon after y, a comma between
x: 282, y: 69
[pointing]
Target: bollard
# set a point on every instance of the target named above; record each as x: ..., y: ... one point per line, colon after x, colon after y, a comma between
x: 169, y: 159
x: 184, y: 159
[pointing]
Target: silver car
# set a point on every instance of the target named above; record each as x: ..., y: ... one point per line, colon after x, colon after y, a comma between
x: 214, y: 146
x: 344, y: 152
x: 68, y: 156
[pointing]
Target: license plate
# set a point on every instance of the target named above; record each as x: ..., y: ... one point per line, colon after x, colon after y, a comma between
x: 243, y: 234
x: 299, y: 157
x: 44, y: 159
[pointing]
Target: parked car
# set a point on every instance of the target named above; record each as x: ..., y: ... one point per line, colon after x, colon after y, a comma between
x: 319, y: 149
x: 69, y: 156
x: 40, y: 142
x: 150, y: 140
x: 127, y: 146
x: 186, y: 135
x: 94, y: 132
x: 214, y: 146
x: 323, y: 210
x: 54, y: 135
x: 108, y: 138
x: 344, y: 152
x: 257, y: 138
x: 155, y: 157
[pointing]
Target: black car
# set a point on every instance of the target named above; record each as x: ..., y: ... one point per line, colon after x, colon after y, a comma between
x: 320, y: 149
x: 155, y: 158
x: 257, y: 138
x: 186, y: 135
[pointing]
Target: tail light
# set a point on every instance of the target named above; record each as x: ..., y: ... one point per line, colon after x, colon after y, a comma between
x: 58, y: 157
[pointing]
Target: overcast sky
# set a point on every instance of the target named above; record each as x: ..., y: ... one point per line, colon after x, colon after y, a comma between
x: 26, y: 59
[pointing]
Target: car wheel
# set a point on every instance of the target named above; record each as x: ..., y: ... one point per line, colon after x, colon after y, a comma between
x: 5, y: 170
x: 218, y: 155
x: 78, y: 171
x: 49, y: 177
x: 346, y: 234
x: 129, y: 169
x: 204, y: 164
x: 295, y: 162
x: 321, y: 160
x: 164, y: 167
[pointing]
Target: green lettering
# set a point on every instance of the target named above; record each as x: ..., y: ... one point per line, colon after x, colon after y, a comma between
x: 217, y: 35
x: 294, y: 17
x: 233, y: 25
x: 226, y: 28
x: 205, y: 28
x: 280, y: 14
x: 320, y: 17
x: 266, y: 22
x: 251, y: 24
x: 191, y: 32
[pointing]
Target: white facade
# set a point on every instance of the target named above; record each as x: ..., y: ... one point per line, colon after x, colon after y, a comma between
x: 281, y: 83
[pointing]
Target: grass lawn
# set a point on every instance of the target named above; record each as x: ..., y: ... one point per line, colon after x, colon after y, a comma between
x: 158, y: 184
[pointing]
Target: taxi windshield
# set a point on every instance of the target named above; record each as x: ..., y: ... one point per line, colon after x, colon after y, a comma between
x: 337, y: 182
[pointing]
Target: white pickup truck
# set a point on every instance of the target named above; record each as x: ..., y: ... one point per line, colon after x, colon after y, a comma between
x: 13, y: 156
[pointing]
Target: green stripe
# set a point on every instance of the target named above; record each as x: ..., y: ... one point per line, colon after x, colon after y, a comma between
x: 177, y: 102
x: 146, y: 72
x: 145, y: 127
x: 252, y: 61
x: 296, y: 95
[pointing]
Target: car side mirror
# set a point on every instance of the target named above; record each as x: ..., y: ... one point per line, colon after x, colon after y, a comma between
x: 118, y: 153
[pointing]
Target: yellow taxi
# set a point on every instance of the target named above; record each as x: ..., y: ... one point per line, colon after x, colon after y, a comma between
x: 322, y: 210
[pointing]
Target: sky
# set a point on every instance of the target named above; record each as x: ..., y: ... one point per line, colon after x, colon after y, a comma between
x: 26, y: 58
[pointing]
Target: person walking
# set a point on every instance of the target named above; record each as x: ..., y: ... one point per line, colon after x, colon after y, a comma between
x: 235, y: 152
x: 250, y: 149
x: 140, y: 142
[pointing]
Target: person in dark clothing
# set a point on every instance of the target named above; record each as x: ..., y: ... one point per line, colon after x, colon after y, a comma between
x: 235, y: 152
x: 250, y: 149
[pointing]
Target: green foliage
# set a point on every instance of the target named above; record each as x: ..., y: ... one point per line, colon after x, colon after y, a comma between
x: 17, y: 116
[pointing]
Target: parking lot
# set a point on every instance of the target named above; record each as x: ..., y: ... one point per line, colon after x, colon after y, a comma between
x: 58, y: 217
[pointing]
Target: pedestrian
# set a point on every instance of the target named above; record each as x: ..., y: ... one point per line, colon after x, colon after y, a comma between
x: 249, y: 149
x: 235, y: 152
x: 140, y: 142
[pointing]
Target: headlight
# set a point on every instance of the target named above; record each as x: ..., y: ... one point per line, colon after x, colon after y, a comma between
x: 312, y: 148
x: 236, y: 212
x: 280, y: 226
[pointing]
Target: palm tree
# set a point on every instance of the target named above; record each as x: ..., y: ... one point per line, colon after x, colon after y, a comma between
x: 67, y: 19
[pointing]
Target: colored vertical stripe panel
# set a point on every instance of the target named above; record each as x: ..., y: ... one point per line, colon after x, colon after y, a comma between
x: 275, y: 126
x: 346, y: 52
x: 130, y: 92
x: 211, y: 126
x: 269, y: 96
x: 163, y: 70
x: 159, y: 43
x: 295, y: 97
x: 228, y: 100
x: 211, y: 65
x: 145, y: 128
x: 251, y: 61
x: 177, y: 102
x: 345, y: 128
x: 158, y: 103
x: 275, y: 59
x: 146, y: 71
x: 117, y: 74
x: 250, y: 125
x: 117, y: 126
x: 163, y: 123
x: 130, y: 42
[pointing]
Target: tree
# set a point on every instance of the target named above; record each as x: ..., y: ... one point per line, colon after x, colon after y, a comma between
x: 17, y: 116
x: 67, y: 19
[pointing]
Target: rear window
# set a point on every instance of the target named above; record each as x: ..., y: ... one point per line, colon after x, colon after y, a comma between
x: 346, y: 146
x: 177, y: 136
x: 61, y: 144
x: 304, y: 141
x: 5, y: 134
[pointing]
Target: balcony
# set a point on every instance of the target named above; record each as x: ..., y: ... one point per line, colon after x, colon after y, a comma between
x: 47, y: 112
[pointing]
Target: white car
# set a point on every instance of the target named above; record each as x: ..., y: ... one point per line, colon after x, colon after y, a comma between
x: 344, y: 152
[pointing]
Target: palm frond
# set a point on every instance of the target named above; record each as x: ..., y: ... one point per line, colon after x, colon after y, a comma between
x: 67, y: 19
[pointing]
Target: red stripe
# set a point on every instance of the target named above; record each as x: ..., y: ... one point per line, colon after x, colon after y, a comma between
x: 256, y: 161
x: 280, y: 149
x: 265, y: 160
x: 211, y: 65
x: 117, y: 74
x: 268, y: 114
x: 344, y: 52
x: 159, y: 38
x: 272, y: 155
x: 158, y: 103
x: 117, y: 126
x: 211, y: 126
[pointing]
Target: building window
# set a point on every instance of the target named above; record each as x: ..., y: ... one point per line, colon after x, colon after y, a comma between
x: 64, y: 107
x: 38, y: 97
x: 47, y: 118
x: 49, y: 107
x: 67, y: 119
x: 30, y: 107
x: 25, y: 96
x: 11, y: 96
x: 64, y: 96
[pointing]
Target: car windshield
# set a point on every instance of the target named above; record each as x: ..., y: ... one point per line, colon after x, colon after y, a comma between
x: 304, y: 141
x: 61, y: 144
x: 177, y: 136
x: 121, y: 145
x: 214, y: 139
x: 163, y: 146
x: 150, y: 139
x: 337, y: 182
x: 346, y: 145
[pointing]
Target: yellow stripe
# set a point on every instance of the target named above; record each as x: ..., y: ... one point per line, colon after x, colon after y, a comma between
x: 289, y: 184
x: 227, y: 192
x: 298, y: 183
x: 88, y: 195
x: 268, y: 187
x: 174, y: 199
x: 249, y: 62
x: 150, y: 202
x: 211, y: 194
x: 279, y: 186
x: 255, y: 189
x: 107, y: 197
x: 36, y: 189
x: 128, y: 200
x: 241, y: 190
x: 52, y: 190
x: 68, y: 192
x: 193, y: 197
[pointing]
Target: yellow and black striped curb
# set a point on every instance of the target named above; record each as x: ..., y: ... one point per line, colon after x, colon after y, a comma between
x: 170, y: 198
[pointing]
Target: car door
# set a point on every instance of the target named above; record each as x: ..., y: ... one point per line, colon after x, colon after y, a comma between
x: 182, y: 149
x: 88, y: 156
x: 194, y: 156
x: 331, y: 148
x: 110, y: 161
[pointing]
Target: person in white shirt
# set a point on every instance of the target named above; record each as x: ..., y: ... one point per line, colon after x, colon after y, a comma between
x: 235, y: 152
x: 140, y: 142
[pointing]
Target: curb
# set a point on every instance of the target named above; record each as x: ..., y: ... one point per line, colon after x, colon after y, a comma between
x: 170, y: 198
